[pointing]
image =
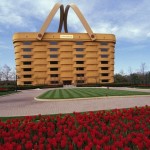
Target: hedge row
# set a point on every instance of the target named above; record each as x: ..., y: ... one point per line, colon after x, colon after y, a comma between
x: 107, y: 85
x: 26, y: 87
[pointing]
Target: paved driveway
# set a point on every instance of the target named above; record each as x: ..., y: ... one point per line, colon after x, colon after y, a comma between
x: 23, y: 103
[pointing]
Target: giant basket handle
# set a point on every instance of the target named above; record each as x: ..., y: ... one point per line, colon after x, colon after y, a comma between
x: 49, y: 19
x: 82, y: 19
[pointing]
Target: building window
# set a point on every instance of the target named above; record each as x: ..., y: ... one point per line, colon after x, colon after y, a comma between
x: 27, y: 63
x: 104, y: 49
x: 27, y: 82
x: 54, y: 75
x: 105, y: 74
x: 104, y: 56
x: 79, y: 49
x: 79, y: 56
x: 27, y: 76
x: 104, y: 62
x: 79, y: 62
x: 27, y: 69
x: 53, y: 62
x: 53, y: 43
x: 54, y: 56
x: 105, y: 80
x: 80, y: 75
x: 80, y: 68
x: 104, y: 68
x: 54, y: 82
x: 80, y: 81
x: 27, y: 49
x: 79, y: 43
x: 26, y: 56
x: 103, y: 43
x: 53, y: 69
x: 53, y: 49
x: 27, y: 43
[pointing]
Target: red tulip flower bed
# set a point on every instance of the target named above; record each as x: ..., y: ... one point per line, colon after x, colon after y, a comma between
x: 108, y: 130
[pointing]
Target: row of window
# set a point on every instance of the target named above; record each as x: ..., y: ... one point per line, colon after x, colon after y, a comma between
x: 78, y: 68
x: 77, y: 81
x: 80, y: 43
x: 56, y: 56
x: 57, y: 75
x: 78, y: 62
x: 57, y: 82
x: 77, y: 56
x: 56, y: 43
x: 56, y: 62
x: 79, y: 49
x: 56, y: 69
x: 56, y: 49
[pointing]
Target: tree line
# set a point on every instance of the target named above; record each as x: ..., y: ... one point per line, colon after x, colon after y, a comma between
x: 141, y: 77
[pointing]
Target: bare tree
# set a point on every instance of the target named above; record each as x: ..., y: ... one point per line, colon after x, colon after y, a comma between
x: 122, y: 72
x: 6, y: 72
x: 130, y: 70
x: 1, y: 74
x: 13, y: 75
x: 142, y: 72
x: 142, y: 68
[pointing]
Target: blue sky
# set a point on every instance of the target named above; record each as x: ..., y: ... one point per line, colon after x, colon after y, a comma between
x: 128, y: 20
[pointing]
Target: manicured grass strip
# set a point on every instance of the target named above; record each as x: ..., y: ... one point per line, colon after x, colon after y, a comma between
x: 57, y: 94
x: 86, y: 92
x: 72, y: 93
x: 111, y: 92
x: 65, y: 94
x: 48, y: 94
x: 90, y: 92
x: 76, y: 93
x: 125, y: 93
x: 61, y: 93
x: 95, y: 92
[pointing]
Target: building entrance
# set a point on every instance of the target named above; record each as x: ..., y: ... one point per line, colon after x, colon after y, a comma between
x: 67, y: 82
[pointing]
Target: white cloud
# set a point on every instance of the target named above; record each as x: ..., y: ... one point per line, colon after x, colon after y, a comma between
x: 148, y: 34
x: 3, y: 46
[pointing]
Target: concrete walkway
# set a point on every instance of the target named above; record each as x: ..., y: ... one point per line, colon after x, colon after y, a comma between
x: 23, y: 103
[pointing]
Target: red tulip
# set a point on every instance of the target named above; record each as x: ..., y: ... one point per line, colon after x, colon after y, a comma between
x: 63, y: 143
x: 28, y: 145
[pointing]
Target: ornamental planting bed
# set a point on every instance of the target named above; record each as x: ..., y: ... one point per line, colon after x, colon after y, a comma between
x: 116, y: 129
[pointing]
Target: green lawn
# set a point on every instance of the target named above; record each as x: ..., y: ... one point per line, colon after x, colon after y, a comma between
x: 6, y: 92
x: 85, y: 93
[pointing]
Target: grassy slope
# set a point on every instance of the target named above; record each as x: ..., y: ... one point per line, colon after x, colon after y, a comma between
x: 86, y: 92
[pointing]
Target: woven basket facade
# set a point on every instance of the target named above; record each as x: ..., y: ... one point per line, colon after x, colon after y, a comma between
x: 64, y: 58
